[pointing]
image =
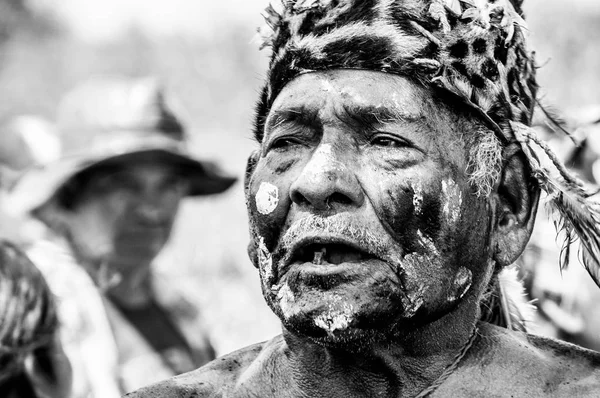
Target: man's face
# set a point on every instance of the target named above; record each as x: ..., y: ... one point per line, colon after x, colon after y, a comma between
x: 360, y: 208
x: 125, y: 215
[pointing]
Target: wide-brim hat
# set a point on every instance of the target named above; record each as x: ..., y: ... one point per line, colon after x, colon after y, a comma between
x: 111, y: 121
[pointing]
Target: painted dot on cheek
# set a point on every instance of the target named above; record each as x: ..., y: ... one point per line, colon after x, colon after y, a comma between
x: 267, y: 198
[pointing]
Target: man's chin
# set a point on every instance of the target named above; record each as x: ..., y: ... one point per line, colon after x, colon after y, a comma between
x: 354, y: 338
x: 336, y: 319
x: 351, y: 339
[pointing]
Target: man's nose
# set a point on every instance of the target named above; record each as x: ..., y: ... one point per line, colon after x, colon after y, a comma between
x: 149, y: 209
x: 326, y: 182
x: 150, y: 214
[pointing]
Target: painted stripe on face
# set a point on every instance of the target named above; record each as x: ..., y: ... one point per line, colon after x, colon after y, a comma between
x: 427, y: 243
x: 265, y: 263
x: 286, y: 300
x: 418, y: 198
x: 452, y: 200
x: 267, y: 198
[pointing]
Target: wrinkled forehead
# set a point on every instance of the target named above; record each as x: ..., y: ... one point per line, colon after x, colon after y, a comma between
x: 360, y: 87
x: 366, y: 96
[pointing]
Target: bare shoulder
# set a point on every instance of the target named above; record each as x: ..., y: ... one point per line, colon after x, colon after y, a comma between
x: 215, y: 380
x: 503, y: 363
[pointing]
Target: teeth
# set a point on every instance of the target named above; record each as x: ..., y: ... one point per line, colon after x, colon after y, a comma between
x: 338, y: 257
x: 318, y: 258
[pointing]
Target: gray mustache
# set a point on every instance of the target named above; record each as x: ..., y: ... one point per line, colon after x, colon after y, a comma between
x: 338, y: 226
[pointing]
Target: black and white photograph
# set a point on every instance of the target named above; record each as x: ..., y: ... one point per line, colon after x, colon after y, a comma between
x: 299, y: 198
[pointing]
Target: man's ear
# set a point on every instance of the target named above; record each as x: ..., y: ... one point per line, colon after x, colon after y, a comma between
x: 516, y: 206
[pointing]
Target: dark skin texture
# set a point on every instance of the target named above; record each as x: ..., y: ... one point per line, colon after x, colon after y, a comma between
x: 374, y: 251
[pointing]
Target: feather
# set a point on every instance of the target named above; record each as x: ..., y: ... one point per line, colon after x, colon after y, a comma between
x: 510, y: 21
x: 555, y: 121
x: 437, y: 10
x: 305, y: 5
x: 454, y: 6
x: 265, y: 34
x: 578, y: 215
x: 516, y: 309
x: 505, y: 302
x: 471, y: 13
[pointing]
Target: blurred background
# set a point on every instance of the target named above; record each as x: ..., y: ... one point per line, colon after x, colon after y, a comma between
x: 205, y: 53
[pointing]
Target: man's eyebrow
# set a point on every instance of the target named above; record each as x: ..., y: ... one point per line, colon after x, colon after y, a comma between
x: 369, y: 116
x: 297, y: 115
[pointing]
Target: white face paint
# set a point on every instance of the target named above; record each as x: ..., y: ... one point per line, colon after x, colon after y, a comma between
x: 462, y: 284
x: 395, y: 100
x: 323, y: 159
x: 267, y: 198
x: 327, y: 86
x: 427, y: 243
x: 354, y: 95
x: 338, y: 317
x: 418, y: 199
x: 452, y: 199
x: 265, y: 262
x: 286, y: 299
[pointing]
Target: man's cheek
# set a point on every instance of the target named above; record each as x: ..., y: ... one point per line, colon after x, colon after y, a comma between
x: 268, y: 204
x: 410, y: 210
x: 432, y: 285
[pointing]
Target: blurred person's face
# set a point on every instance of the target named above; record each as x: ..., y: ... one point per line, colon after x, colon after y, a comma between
x: 362, y: 215
x: 124, y: 216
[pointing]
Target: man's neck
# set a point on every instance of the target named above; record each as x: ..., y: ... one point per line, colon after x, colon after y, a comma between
x: 134, y: 289
x: 400, y: 368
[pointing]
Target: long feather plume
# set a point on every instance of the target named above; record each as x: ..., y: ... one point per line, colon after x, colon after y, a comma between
x: 578, y: 214
x: 505, y: 302
x: 517, y: 310
x: 554, y: 121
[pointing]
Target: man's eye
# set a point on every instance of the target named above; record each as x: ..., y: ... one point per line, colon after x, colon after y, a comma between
x: 388, y: 141
x: 285, y: 142
x: 116, y: 182
x: 175, y: 183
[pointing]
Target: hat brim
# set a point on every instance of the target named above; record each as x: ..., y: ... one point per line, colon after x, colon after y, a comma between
x: 203, y: 176
x: 40, y: 183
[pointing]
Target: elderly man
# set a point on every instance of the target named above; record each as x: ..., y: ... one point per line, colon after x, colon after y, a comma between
x: 396, y: 177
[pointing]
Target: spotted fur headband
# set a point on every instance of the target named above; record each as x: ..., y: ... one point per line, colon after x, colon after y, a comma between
x: 474, y: 49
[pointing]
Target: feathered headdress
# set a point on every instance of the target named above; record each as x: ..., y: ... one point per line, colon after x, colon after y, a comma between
x: 474, y: 49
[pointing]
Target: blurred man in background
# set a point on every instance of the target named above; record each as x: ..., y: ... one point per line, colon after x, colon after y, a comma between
x: 32, y: 361
x: 29, y: 141
x: 110, y: 202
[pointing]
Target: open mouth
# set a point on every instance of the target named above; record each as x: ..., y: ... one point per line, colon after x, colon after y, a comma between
x: 328, y: 253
